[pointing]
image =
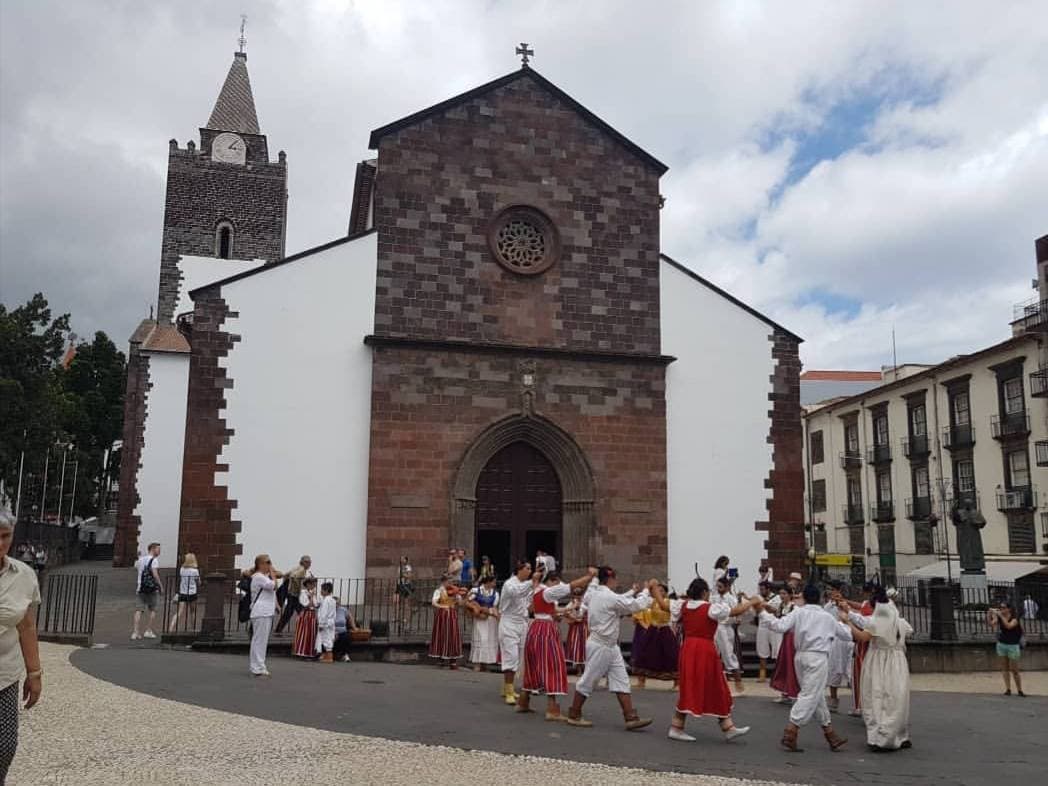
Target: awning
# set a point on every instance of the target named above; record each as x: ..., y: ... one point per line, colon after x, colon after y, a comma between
x: 995, y: 571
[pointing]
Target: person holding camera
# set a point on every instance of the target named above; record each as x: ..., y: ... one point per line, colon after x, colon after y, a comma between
x: 1009, y: 644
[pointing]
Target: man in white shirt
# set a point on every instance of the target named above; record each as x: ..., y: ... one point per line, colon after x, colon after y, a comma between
x: 606, y: 608
x: 767, y: 640
x: 147, y: 590
x: 1030, y: 608
x: 727, y: 631
x: 814, y: 633
x: 513, y: 624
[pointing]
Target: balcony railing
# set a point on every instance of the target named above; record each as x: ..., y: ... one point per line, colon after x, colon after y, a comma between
x: 1044, y: 524
x: 879, y: 454
x: 851, y: 459
x: 918, y: 508
x: 852, y: 514
x: 958, y: 437
x: 916, y: 446
x: 1030, y: 313
x: 1041, y: 452
x: 1039, y: 383
x: 1016, y: 424
x: 1018, y: 498
x: 883, y: 512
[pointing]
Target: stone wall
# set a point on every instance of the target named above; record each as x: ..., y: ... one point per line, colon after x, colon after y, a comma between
x: 125, y: 542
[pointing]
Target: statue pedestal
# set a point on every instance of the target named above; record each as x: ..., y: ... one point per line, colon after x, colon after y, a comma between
x: 973, y: 588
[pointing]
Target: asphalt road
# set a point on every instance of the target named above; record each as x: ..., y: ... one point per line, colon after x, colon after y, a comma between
x: 958, y: 738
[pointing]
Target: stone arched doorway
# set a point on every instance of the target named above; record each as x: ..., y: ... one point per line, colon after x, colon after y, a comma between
x: 530, y: 443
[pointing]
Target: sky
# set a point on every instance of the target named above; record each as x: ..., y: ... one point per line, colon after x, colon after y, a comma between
x: 847, y: 168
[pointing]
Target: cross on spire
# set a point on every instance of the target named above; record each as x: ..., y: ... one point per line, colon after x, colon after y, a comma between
x: 242, y: 40
x: 524, y: 53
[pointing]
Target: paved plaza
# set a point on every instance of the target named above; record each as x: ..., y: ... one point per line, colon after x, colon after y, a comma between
x: 123, y: 715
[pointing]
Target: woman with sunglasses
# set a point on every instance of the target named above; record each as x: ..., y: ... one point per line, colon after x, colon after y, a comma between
x: 263, y: 608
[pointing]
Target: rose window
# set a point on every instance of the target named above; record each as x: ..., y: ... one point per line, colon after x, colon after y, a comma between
x: 523, y: 240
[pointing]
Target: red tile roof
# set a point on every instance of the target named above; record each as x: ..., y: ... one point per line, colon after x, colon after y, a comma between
x: 165, y: 338
x: 841, y: 376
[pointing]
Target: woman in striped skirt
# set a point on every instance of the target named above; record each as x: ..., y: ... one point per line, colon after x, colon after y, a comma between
x: 544, y: 668
x: 578, y: 630
x: 306, y: 626
x: 446, y: 642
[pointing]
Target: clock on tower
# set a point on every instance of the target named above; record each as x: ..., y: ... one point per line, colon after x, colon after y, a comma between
x: 228, y: 149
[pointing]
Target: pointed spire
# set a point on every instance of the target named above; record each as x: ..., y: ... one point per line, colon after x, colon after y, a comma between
x: 235, y: 108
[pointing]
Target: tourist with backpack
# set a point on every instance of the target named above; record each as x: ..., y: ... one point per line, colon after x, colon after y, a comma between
x: 147, y: 591
x: 261, y: 608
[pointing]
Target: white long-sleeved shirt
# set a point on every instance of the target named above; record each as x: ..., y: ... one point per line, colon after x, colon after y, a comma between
x: 718, y: 611
x: 814, y: 629
x: 516, y: 595
x: 326, y: 612
x: 606, y: 607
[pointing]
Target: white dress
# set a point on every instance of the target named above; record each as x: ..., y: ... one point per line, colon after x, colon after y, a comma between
x: 840, y: 657
x: 886, y: 679
x: 484, y: 645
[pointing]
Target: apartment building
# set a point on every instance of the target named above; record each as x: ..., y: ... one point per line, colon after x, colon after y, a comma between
x: 886, y: 467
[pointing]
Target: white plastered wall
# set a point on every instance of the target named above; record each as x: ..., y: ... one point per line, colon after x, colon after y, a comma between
x: 717, y: 426
x: 300, y: 408
x: 200, y: 271
x: 160, y: 475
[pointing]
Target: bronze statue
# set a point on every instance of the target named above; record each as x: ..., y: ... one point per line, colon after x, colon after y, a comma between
x: 968, y: 521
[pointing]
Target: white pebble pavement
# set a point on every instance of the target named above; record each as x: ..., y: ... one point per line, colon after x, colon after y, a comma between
x: 86, y: 731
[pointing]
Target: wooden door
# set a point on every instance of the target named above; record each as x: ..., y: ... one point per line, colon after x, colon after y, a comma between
x: 518, y: 507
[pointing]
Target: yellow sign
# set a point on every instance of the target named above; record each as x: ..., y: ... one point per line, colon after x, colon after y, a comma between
x: 833, y: 559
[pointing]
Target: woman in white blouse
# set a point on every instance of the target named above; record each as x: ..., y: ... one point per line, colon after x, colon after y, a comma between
x: 188, y: 587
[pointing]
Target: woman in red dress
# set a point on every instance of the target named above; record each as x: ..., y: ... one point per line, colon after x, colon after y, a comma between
x: 445, y: 643
x: 865, y: 609
x: 578, y: 630
x: 703, y: 688
x: 784, y: 680
x: 306, y: 625
x: 544, y: 668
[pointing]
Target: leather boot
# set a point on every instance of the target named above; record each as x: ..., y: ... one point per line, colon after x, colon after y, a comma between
x: 763, y: 676
x: 836, y: 742
x: 327, y: 657
x: 789, y: 740
x: 508, y: 694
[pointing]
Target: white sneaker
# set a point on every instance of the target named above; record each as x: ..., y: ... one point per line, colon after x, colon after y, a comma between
x: 135, y: 637
x: 738, y: 731
x: 345, y: 659
x: 679, y: 734
x: 855, y: 713
x: 782, y: 699
x: 149, y: 635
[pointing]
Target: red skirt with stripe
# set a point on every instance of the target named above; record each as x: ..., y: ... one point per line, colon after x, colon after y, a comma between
x: 306, y: 634
x: 703, y: 688
x: 544, y: 667
x: 446, y: 641
x: 785, y: 678
x: 860, y: 654
x: 575, y: 647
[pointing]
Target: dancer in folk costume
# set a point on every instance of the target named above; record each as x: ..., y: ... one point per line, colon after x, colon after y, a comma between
x: 544, y: 668
x: 814, y: 633
x: 603, y: 656
x: 446, y: 642
x: 306, y: 624
x: 885, y: 672
x: 840, y: 654
x: 768, y: 641
x: 513, y: 625
x: 784, y: 680
x: 865, y: 608
x: 659, y: 648
x: 703, y: 687
x: 727, y: 639
x: 482, y: 604
x: 578, y: 630
x: 326, y: 623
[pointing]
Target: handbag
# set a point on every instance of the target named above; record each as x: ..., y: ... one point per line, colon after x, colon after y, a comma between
x: 244, y: 609
x: 147, y: 583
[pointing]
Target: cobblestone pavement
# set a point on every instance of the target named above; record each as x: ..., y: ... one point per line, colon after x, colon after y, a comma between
x: 86, y: 731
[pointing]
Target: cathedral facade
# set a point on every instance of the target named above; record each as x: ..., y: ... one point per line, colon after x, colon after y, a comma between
x: 497, y: 356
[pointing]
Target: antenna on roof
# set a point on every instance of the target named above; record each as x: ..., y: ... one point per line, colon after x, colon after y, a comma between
x: 242, y: 40
x: 895, y: 357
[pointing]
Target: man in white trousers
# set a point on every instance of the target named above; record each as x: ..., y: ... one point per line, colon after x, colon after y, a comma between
x: 814, y: 632
x: 606, y: 609
x: 513, y: 624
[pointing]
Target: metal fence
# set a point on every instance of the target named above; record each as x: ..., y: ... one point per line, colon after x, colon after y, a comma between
x: 971, y: 606
x: 68, y: 605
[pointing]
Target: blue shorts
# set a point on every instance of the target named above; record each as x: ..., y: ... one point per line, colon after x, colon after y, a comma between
x: 1009, y: 651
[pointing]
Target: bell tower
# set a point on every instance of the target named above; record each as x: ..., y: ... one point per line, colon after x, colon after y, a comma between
x: 225, y: 199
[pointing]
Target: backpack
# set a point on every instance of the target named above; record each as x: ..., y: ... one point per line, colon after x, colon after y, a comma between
x: 244, y: 607
x: 282, y: 591
x: 147, y: 584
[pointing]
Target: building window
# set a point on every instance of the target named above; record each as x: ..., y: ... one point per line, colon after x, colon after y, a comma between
x: 965, y: 475
x: 961, y: 411
x: 920, y: 482
x: 1018, y: 470
x: 854, y: 493
x: 818, y: 496
x: 1021, y: 536
x: 922, y: 538
x: 224, y: 240
x: 918, y: 421
x: 851, y: 438
x: 1012, y: 390
x: 857, y: 540
x: 817, y: 456
x: 880, y: 429
x: 524, y: 240
x: 884, y: 487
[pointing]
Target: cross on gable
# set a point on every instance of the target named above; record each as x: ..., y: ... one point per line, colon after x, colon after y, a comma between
x: 525, y: 53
